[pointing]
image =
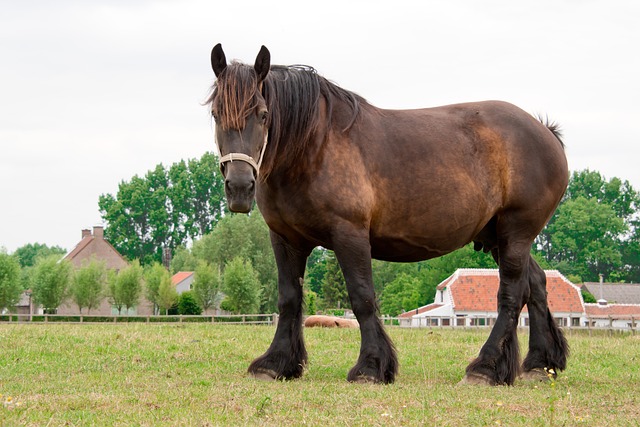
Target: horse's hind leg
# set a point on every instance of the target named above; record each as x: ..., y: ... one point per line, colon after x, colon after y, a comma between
x: 499, y: 359
x: 287, y: 356
x: 548, y: 347
x: 377, y: 361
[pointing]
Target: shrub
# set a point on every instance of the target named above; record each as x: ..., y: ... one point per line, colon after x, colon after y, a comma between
x: 188, y: 305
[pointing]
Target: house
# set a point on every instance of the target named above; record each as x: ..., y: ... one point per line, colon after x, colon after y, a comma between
x: 604, y: 315
x: 183, y: 280
x: 26, y: 304
x: 469, y: 298
x: 618, y: 305
x: 92, y: 245
x: 614, y: 293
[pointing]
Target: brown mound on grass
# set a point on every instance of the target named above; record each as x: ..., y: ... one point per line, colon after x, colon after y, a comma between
x: 330, y: 322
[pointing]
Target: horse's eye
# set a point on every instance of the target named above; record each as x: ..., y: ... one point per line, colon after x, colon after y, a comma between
x: 215, y: 116
x: 264, y: 116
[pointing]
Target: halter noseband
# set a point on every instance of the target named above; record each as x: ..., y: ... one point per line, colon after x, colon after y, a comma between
x: 246, y: 158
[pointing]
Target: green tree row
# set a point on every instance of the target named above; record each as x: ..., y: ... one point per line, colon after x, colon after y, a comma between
x: 52, y: 281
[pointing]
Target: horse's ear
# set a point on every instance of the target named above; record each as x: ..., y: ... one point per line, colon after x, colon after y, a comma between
x: 263, y: 62
x: 218, y: 60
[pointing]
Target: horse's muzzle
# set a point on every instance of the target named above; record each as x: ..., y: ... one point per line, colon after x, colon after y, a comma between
x: 240, y: 194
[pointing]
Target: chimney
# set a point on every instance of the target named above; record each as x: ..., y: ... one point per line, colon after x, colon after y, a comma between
x: 98, y: 232
x: 86, y: 233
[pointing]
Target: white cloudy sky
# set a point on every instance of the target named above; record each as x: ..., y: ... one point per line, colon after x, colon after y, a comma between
x: 94, y: 92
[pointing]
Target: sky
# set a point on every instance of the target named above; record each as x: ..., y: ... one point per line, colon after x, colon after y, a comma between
x: 95, y: 92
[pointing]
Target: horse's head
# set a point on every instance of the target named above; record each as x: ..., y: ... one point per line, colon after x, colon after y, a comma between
x: 241, y: 117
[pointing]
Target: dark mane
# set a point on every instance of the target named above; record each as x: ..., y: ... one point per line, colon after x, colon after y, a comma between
x: 293, y: 96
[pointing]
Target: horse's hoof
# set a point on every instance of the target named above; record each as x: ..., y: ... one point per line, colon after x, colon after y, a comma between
x: 537, y: 375
x: 364, y: 379
x: 265, y: 375
x: 476, y: 379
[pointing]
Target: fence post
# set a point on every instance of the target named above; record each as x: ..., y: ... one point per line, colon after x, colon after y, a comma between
x: 610, y: 325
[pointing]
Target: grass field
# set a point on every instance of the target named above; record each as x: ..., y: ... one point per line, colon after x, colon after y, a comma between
x: 195, y: 375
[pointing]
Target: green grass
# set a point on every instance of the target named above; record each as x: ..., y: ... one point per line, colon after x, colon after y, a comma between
x: 195, y: 375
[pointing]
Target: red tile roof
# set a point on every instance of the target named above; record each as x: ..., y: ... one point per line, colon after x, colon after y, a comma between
x: 180, y: 277
x: 410, y: 313
x: 477, y: 290
x: 613, y: 310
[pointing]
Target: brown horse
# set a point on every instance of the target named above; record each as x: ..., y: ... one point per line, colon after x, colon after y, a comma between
x: 329, y: 169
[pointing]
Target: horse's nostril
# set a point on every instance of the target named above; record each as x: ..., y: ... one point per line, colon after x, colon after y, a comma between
x: 240, y: 187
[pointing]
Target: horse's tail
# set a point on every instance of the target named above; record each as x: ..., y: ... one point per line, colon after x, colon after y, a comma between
x: 554, y: 127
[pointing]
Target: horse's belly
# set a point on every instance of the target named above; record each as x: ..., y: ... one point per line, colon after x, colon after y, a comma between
x: 416, y: 248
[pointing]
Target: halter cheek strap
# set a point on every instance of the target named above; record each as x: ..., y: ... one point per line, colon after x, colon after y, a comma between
x: 246, y: 158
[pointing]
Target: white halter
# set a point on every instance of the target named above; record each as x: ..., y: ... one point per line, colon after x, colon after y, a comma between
x: 246, y: 158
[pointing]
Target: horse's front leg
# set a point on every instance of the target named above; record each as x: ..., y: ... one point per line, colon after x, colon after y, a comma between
x: 287, y: 356
x: 377, y: 361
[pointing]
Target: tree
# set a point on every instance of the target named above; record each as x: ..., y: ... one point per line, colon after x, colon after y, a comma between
x: 87, y: 287
x: 27, y: 255
x: 247, y: 237
x: 315, y: 271
x: 124, y: 288
x: 310, y: 299
x: 334, y: 288
x: 241, y: 287
x: 112, y: 291
x: 586, y: 235
x: 187, y: 304
x: 166, y: 208
x: 51, y: 279
x: 167, y: 294
x: 206, y: 285
x: 401, y: 295
x: 183, y: 260
x: 10, y: 287
x: 608, y: 210
x: 154, y: 275
x: 385, y: 272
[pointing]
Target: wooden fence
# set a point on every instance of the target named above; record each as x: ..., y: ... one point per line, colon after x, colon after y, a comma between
x: 592, y: 324
x: 243, y: 319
